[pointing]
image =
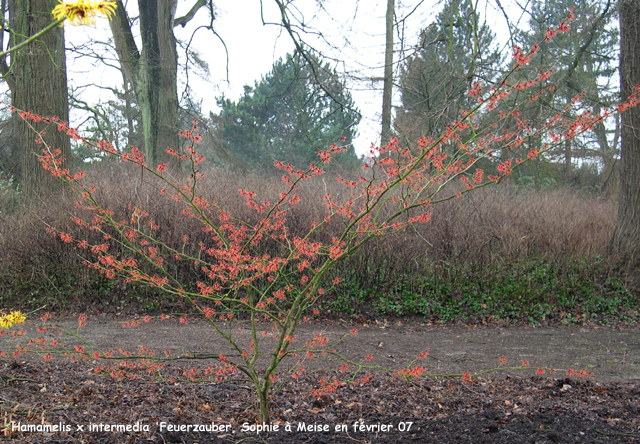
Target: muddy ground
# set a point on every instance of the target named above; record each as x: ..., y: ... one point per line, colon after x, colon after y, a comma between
x: 508, y: 406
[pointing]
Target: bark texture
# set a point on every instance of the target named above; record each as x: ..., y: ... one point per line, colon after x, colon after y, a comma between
x: 626, y: 239
x: 152, y: 72
x: 38, y: 81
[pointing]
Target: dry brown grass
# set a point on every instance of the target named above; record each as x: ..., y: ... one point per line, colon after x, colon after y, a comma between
x: 497, y: 224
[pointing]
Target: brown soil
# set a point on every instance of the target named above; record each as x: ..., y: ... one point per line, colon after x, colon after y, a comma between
x: 509, y: 406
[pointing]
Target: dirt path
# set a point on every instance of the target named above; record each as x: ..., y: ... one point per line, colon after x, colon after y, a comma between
x: 493, y: 409
x: 612, y: 354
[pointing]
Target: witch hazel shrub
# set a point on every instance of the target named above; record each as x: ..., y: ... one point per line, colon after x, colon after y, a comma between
x: 255, y: 278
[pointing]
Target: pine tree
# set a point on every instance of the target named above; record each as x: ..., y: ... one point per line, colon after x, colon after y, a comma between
x: 584, y: 60
x: 452, y: 52
x: 293, y: 112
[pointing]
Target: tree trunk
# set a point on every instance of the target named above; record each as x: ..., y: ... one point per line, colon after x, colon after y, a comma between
x: 264, y: 414
x: 568, y: 161
x: 152, y: 73
x: 128, y: 110
x: 146, y: 82
x: 387, y: 91
x: 168, y: 87
x: 39, y: 79
x: 626, y: 239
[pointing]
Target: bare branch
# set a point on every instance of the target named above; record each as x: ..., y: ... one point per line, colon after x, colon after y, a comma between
x: 297, y: 41
x: 126, y: 47
x: 182, y: 21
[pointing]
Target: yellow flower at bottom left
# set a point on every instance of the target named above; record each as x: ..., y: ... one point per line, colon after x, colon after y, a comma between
x: 13, y: 318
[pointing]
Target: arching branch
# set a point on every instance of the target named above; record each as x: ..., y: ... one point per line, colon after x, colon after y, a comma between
x: 182, y: 21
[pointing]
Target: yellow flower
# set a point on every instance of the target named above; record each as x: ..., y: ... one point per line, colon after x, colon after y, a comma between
x: 83, y: 12
x: 17, y: 317
x: 13, y: 318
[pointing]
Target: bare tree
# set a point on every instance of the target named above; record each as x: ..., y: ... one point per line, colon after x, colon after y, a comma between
x: 152, y: 71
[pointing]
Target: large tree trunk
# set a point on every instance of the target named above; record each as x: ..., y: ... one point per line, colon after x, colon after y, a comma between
x: 39, y: 84
x: 626, y: 239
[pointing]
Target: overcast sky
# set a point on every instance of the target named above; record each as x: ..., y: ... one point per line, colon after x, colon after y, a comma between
x: 352, y: 36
